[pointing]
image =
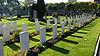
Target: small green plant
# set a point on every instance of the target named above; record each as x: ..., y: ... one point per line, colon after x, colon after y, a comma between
x: 16, y: 36
x: 48, y: 29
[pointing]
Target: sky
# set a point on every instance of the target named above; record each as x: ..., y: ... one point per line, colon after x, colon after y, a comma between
x: 58, y: 1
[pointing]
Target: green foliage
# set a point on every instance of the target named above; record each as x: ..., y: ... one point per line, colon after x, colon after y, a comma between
x: 49, y: 6
x: 16, y: 36
x: 19, y: 15
x: 72, y: 6
x: 98, y: 7
x: 85, y: 6
x: 69, y: 6
x: 54, y: 8
x: 40, y: 9
x: 93, y: 6
x: 61, y: 6
x: 33, y: 7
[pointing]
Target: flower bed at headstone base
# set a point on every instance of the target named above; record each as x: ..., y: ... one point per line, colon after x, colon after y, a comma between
x: 48, y: 29
x: 15, y: 38
x: 33, y: 34
x: 40, y: 48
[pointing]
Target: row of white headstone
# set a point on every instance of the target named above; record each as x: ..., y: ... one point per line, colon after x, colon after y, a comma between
x: 8, y: 25
x: 5, y: 30
x: 24, y: 36
x: 24, y: 43
x: 43, y: 29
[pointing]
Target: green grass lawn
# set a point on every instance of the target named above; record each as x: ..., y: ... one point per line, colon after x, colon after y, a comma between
x: 31, y: 28
x: 81, y: 43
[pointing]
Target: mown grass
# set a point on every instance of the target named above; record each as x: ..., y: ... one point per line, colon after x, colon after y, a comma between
x: 14, y: 48
x: 81, y: 43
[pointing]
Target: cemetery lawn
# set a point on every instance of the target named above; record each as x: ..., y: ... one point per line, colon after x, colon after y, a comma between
x: 13, y: 49
x: 81, y: 43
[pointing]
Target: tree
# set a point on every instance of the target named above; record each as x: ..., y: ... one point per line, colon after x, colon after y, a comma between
x: 61, y: 6
x: 85, y: 6
x: 49, y: 6
x: 40, y: 9
x: 70, y: 8
x: 55, y: 8
x: 32, y: 8
x: 98, y: 8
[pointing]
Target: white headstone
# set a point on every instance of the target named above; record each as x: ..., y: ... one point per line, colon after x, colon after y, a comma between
x: 71, y: 18
x: 8, y: 24
x: 55, y: 21
x: 66, y: 16
x: 80, y: 20
x: 6, y: 33
x: 34, y: 14
x: 36, y: 20
x: 65, y: 20
x: 37, y: 26
x: 76, y: 17
x: 74, y: 23
x: 1, y: 48
x: 83, y: 20
x: 77, y: 22
x: 60, y: 20
x: 42, y: 35
x: 63, y: 28
x: 69, y: 25
x: 1, y: 28
x: 24, y: 27
x: 45, y: 17
x: 11, y: 17
x: 24, y: 41
x: 68, y: 19
x: 54, y: 31
x: 95, y: 15
x: 14, y: 26
x: 48, y: 23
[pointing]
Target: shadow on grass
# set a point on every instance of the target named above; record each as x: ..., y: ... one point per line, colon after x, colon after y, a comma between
x: 14, y: 47
x: 82, y: 32
x: 90, y: 26
x: 42, y: 24
x: 48, y: 35
x: 85, y: 29
x: 76, y: 36
x: 33, y: 39
x: 70, y: 41
x: 51, y: 22
x: 61, y: 50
